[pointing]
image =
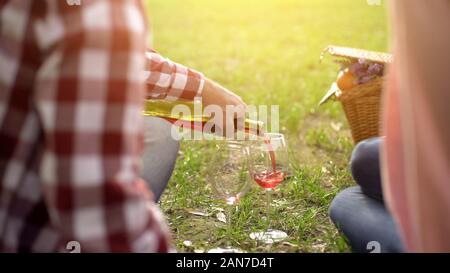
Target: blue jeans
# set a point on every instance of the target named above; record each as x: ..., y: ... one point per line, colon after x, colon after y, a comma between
x: 160, y: 154
x: 359, y: 212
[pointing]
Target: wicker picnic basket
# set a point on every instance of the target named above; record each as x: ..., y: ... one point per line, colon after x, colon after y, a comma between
x: 361, y: 103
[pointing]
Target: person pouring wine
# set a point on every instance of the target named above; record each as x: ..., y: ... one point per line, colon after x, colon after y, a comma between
x: 180, y: 84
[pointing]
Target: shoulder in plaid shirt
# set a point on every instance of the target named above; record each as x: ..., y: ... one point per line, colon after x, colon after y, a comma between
x: 71, y: 98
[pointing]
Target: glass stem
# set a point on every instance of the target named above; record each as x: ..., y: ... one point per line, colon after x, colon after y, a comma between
x: 269, y: 197
x: 229, y: 212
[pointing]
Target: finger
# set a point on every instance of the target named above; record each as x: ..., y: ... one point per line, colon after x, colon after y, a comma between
x: 240, y: 100
x: 241, y: 111
x: 238, y: 103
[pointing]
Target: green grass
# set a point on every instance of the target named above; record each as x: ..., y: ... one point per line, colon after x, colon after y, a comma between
x: 268, y: 52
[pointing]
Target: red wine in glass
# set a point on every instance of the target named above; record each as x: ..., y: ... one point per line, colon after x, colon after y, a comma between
x: 269, y: 167
x: 273, y: 159
x: 269, y: 180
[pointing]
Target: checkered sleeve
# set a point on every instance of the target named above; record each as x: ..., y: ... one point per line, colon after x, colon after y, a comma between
x: 171, y: 81
x: 89, y: 98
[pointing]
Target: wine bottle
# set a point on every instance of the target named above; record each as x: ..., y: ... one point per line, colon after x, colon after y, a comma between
x: 194, y: 119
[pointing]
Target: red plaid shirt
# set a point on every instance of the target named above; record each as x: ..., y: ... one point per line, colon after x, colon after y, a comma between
x: 71, y: 101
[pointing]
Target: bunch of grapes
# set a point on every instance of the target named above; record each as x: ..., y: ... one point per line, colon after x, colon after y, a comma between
x: 366, y: 71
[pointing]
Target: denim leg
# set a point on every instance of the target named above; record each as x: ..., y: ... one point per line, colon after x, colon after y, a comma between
x: 160, y: 154
x: 365, y: 167
x: 363, y: 219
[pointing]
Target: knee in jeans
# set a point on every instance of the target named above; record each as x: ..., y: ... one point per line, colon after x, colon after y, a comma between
x: 168, y: 146
x: 159, y: 138
x: 341, y: 205
x: 161, y: 153
x: 336, y: 206
x: 333, y: 211
x: 158, y: 163
x: 174, y: 147
x: 365, y: 156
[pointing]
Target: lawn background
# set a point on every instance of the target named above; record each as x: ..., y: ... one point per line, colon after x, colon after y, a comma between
x: 267, y: 51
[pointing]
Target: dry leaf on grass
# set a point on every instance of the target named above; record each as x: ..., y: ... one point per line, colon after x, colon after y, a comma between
x: 336, y: 126
x: 221, y: 217
x: 197, y: 213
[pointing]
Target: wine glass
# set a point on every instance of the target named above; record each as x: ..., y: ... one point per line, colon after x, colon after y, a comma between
x: 229, y: 178
x: 268, y: 165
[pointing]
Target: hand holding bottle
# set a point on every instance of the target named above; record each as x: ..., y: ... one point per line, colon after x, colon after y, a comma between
x: 215, y: 94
